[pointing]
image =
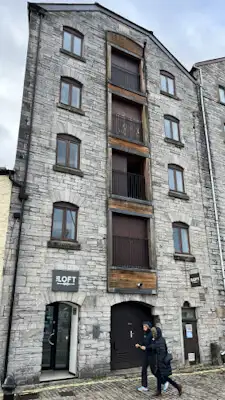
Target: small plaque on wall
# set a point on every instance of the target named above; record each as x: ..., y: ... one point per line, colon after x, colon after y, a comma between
x: 65, y: 281
x: 195, y: 280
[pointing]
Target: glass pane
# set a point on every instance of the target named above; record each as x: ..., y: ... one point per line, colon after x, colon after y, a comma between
x: 70, y: 224
x: 63, y: 336
x: 57, y: 223
x: 77, y: 45
x: 176, y: 240
x: 61, y: 152
x: 175, y: 130
x: 163, y: 83
x: 64, y: 93
x: 222, y: 95
x: 167, y: 126
x: 67, y: 41
x: 73, y: 161
x: 48, y: 330
x: 179, y: 178
x: 171, y: 86
x: 171, y: 179
x: 184, y: 238
x: 75, y: 97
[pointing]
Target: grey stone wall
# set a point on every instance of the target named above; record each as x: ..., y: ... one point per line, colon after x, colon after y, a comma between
x: 89, y: 193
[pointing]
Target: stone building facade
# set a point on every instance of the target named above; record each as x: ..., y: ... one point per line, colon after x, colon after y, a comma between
x: 101, y: 211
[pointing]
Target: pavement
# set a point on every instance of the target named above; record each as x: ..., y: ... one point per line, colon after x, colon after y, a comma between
x: 199, y: 385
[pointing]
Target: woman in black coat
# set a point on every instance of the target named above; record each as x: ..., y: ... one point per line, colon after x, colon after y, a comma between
x: 159, y: 367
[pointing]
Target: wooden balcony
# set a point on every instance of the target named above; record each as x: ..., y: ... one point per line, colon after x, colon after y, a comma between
x: 127, y: 128
x: 128, y: 185
x: 124, y: 78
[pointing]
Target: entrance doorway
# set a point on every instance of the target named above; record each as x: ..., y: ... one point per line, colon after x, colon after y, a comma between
x: 126, y: 330
x: 190, y: 334
x: 60, y: 337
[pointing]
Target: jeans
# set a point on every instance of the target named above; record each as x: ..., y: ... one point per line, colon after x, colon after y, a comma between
x: 159, y: 382
x: 144, y: 372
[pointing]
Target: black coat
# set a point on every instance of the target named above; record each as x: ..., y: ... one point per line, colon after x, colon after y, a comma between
x: 157, y: 364
x: 147, y: 342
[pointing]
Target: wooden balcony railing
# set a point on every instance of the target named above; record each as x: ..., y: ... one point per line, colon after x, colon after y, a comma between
x: 127, y: 128
x: 126, y: 79
x: 128, y: 185
x: 130, y: 253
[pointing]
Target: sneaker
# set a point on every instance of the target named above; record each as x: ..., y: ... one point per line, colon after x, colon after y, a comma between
x: 165, y: 386
x: 142, y: 389
x: 180, y: 390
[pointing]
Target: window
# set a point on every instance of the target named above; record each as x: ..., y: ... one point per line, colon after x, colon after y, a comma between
x: 176, y: 178
x: 167, y: 83
x: 70, y: 93
x: 68, y: 151
x: 72, y: 41
x: 181, y: 238
x: 64, y: 224
x: 172, y: 128
x: 125, y: 71
x: 222, y: 94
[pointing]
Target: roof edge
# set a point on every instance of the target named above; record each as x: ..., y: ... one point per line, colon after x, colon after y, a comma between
x: 5, y: 171
x: 211, y: 61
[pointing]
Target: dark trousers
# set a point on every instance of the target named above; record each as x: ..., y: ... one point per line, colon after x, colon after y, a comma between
x: 144, y: 372
x: 159, y: 382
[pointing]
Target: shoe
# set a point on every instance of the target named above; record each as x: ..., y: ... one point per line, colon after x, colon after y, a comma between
x: 180, y: 390
x: 165, y: 386
x: 157, y: 394
x: 142, y: 389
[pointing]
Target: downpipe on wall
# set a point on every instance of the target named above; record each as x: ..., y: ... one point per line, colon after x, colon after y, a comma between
x: 8, y: 381
x: 211, y: 173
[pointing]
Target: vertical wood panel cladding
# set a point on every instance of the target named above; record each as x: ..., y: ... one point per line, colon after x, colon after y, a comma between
x: 125, y: 43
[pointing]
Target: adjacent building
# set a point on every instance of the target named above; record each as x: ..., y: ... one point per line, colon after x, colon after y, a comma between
x: 118, y: 218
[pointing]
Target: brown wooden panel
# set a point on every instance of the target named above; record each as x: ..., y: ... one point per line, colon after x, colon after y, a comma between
x: 126, y: 108
x: 125, y: 43
x: 130, y: 207
x: 126, y: 279
x: 127, y: 94
x: 124, y: 61
x: 129, y: 145
x: 129, y: 226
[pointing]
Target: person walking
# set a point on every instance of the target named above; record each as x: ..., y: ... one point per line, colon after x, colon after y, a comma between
x: 160, y: 366
x: 148, y: 354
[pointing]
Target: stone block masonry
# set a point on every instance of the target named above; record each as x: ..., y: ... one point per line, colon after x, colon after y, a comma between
x: 46, y: 186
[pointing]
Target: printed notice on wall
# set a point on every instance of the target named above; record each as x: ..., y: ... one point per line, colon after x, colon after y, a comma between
x: 189, y: 333
x: 191, y: 357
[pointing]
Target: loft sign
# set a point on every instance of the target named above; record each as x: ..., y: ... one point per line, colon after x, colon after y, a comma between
x: 195, y: 280
x: 65, y: 281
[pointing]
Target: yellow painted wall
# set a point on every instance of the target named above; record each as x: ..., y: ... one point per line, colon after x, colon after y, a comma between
x: 5, y: 195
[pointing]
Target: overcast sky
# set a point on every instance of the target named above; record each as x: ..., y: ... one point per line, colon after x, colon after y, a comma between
x: 193, y: 30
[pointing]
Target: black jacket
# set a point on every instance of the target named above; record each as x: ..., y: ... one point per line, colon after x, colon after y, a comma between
x: 147, y: 342
x: 157, y: 364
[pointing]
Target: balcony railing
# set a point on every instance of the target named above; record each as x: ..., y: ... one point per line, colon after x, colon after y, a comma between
x: 123, y: 77
x: 127, y: 128
x: 128, y: 185
x: 130, y: 253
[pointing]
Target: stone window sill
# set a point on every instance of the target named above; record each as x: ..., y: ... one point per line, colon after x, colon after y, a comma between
x: 178, y: 195
x: 172, y: 96
x: 70, y: 54
x: 59, y: 244
x: 68, y: 170
x: 70, y: 108
x: 175, y: 142
x: 184, y: 257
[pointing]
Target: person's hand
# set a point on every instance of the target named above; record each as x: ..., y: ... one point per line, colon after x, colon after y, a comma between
x: 143, y: 348
x: 137, y: 346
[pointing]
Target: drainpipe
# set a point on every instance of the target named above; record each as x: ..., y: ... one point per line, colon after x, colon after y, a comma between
x: 211, y: 173
x: 8, y: 381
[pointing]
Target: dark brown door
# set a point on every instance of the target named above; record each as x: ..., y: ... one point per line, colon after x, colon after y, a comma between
x: 130, y: 242
x: 126, y: 331
x: 190, y: 334
x: 119, y: 174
